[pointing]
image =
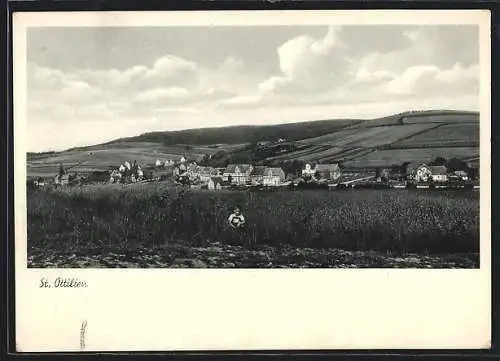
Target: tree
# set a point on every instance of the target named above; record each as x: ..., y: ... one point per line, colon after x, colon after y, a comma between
x: 439, y: 161
x: 455, y: 164
x: 61, y: 170
x: 205, y: 161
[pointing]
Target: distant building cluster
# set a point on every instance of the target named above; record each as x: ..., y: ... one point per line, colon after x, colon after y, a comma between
x: 127, y: 173
x: 190, y: 173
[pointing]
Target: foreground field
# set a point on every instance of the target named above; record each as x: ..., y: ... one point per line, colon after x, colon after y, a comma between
x: 156, y: 226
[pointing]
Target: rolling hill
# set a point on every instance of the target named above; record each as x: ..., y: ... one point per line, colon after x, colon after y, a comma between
x: 411, y: 136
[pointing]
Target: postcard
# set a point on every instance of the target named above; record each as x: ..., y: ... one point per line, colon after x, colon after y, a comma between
x: 252, y: 180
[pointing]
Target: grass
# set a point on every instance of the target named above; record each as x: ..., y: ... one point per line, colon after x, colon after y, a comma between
x: 95, y: 218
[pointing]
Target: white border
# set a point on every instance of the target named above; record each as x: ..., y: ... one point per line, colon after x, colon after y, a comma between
x: 172, y: 309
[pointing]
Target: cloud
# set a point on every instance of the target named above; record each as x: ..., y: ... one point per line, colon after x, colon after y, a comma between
x: 344, y: 69
x: 169, y: 82
x: 309, y: 65
x: 58, y: 86
x: 162, y: 94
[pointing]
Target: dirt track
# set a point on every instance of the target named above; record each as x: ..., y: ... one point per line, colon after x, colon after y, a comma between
x: 216, y: 255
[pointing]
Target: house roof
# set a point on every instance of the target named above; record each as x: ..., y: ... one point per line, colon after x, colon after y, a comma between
x: 244, y: 168
x: 258, y: 170
x: 274, y: 171
x: 438, y: 169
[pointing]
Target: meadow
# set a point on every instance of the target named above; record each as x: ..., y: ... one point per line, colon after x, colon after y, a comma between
x: 115, y: 219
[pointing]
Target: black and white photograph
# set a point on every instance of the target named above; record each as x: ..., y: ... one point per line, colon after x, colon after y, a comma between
x: 332, y: 146
x: 252, y: 180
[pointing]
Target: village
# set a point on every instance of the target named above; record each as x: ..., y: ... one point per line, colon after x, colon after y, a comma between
x: 436, y: 174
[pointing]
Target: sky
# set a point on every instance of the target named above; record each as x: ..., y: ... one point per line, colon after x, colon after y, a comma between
x: 90, y: 85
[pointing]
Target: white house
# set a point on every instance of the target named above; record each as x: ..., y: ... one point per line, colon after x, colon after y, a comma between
x: 61, y: 179
x: 461, y: 174
x: 239, y: 173
x: 439, y: 173
x: 127, y: 165
x: 329, y: 172
x: 273, y: 177
x: 182, y: 168
x: 122, y: 168
x: 309, y: 170
x: 425, y: 173
x: 115, y: 176
x: 158, y: 163
x: 168, y: 163
x: 39, y: 182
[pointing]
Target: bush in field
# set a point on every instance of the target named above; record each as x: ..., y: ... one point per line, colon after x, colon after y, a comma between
x: 153, y: 214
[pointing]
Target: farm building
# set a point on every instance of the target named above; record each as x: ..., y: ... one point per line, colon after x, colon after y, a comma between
x: 115, y: 176
x: 168, y: 162
x: 425, y: 173
x: 164, y: 174
x: 439, y: 173
x: 215, y: 183
x: 181, y: 168
x: 258, y: 174
x: 460, y: 175
x: 39, y: 182
x: 238, y: 173
x: 158, y: 163
x: 61, y: 179
x: 273, y: 177
x: 205, y: 173
x: 329, y: 172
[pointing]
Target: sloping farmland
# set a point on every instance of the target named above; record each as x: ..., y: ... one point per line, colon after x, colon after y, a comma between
x: 103, y: 158
x: 446, y: 135
x: 441, y: 118
x: 396, y: 157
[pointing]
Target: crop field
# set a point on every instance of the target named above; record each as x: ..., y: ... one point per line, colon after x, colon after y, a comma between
x: 385, y: 158
x: 369, y: 136
x: 306, y: 150
x: 284, y: 228
x: 327, y: 153
x: 332, y: 138
x: 353, y: 137
x: 441, y: 118
x: 392, y: 134
x: 446, y: 134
